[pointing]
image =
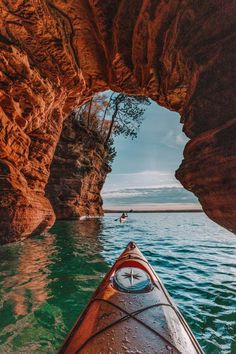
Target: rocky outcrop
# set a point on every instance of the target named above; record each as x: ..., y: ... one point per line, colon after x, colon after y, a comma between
x: 40, y: 82
x: 78, y: 172
x: 55, y: 54
x: 213, y: 152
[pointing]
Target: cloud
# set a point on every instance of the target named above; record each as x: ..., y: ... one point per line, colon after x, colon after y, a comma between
x: 173, y: 138
x: 148, y: 196
x: 143, y: 179
x: 181, y: 139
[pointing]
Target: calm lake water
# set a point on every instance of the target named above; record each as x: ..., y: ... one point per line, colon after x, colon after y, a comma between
x: 46, y: 281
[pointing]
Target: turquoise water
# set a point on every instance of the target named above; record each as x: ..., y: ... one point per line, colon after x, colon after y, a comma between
x: 46, y: 281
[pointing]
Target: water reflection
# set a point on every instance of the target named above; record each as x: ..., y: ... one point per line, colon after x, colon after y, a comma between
x: 78, y: 266
x: 45, y: 282
x: 27, y: 282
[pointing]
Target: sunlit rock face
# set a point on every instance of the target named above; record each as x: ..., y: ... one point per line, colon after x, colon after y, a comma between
x: 78, y: 172
x: 56, y: 54
x: 40, y: 81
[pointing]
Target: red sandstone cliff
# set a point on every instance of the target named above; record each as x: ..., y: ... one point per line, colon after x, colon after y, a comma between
x: 77, y: 173
x: 55, y: 54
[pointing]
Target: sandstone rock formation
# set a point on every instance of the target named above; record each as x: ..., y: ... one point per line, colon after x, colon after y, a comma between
x: 55, y: 54
x: 77, y: 173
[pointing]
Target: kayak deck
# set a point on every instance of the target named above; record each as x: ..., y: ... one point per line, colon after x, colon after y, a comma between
x: 131, y: 312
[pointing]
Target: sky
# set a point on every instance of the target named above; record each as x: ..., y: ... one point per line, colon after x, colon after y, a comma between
x: 150, y: 160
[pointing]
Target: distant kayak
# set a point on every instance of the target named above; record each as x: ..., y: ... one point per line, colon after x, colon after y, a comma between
x: 131, y: 312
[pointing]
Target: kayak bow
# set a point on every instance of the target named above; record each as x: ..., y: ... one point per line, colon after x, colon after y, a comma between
x: 131, y: 312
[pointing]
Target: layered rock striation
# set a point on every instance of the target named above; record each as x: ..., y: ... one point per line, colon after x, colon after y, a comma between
x: 55, y: 54
x: 78, y: 172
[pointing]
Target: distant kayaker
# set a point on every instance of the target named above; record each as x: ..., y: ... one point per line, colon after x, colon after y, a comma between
x: 123, y: 217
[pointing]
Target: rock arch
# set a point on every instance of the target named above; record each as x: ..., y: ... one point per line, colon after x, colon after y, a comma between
x: 55, y: 54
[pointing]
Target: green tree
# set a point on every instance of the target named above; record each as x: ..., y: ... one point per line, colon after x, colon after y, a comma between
x: 126, y: 115
x: 113, y: 115
x: 111, y: 152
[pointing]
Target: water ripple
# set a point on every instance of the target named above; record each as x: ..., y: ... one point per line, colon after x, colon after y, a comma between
x: 196, y: 260
x: 46, y: 281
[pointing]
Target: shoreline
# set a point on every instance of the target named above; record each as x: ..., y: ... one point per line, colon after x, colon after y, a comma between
x: 154, y: 208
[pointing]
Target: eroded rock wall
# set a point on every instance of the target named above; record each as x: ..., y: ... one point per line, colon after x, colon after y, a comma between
x: 77, y: 173
x: 39, y: 81
x: 55, y: 54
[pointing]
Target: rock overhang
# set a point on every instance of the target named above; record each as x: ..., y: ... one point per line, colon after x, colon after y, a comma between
x: 55, y: 55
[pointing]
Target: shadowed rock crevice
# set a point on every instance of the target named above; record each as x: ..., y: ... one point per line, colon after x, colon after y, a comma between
x: 55, y: 54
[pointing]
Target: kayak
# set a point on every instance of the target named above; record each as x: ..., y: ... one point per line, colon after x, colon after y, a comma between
x: 131, y: 312
x: 122, y: 220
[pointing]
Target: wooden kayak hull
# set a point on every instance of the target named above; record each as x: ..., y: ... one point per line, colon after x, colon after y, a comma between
x: 123, y: 318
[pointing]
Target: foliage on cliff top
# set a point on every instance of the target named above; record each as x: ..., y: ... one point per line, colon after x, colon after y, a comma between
x: 111, y: 114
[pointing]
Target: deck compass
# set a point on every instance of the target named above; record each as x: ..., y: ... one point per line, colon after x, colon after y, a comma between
x: 132, y: 280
